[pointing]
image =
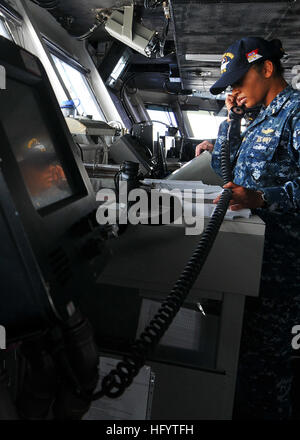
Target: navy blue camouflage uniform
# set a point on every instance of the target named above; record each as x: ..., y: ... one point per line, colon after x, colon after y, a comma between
x: 266, y: 157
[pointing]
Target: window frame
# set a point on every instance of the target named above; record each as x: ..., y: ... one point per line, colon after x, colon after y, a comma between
x: 65, y: 57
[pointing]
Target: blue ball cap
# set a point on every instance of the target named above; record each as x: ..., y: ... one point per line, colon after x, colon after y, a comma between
x: 241, y: 55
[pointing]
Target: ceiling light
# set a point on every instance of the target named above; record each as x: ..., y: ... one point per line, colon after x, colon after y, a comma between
x: 206, y: 57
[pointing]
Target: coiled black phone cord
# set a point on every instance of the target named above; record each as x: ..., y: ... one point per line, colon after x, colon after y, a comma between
x: 115, y: 383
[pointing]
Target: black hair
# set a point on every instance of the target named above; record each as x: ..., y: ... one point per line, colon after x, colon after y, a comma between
x: 278, y: 67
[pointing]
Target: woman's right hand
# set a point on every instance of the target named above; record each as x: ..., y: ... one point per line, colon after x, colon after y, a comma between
x: 231, y: 101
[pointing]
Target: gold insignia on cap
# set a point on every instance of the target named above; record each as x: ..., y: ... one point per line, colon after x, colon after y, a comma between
x: 227, y: 57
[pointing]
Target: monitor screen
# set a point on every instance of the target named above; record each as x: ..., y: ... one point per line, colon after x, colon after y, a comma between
x: 32, y: 145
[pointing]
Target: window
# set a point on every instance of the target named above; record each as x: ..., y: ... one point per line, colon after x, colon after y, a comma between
x: 204, y: 125
x: 78, y: 89
x: 163, y: 114
x: 10, y: 20
x: 4, y: 31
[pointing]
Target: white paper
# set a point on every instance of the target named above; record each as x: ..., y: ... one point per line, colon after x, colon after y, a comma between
x: 184, y: 331
x: 182, y: 184
x: 230, y: 215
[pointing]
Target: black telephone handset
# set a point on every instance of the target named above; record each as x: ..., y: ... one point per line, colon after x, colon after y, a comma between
x: 237, y: 112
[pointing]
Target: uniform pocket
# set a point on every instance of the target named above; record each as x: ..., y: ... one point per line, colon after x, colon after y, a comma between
x: 261, y: 153
x: 264, y: 148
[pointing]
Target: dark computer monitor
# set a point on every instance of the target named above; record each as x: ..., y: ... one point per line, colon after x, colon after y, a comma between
x: 44, y: 190
x: 46, y: 178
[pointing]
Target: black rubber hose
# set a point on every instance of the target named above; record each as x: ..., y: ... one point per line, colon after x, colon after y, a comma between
x: 115, y: 383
